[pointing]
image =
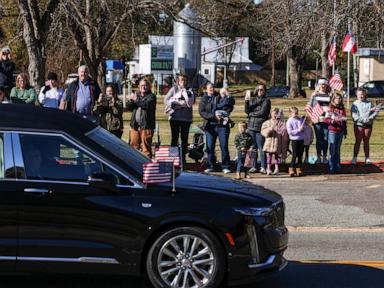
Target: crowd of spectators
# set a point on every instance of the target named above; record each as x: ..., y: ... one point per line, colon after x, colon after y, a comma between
x: 264, y: 136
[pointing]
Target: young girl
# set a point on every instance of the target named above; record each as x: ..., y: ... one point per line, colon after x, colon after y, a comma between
x: 337, y: 127
x: 295, y: 128
x: 308, y: 137
x: 363, y: 114
x: 275, y: 134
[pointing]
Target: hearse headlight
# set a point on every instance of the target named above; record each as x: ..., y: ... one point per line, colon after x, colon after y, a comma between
x: 260, y: 212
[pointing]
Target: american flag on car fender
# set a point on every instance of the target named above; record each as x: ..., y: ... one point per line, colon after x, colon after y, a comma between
x: 157, y: 171
x: 168, y: 153
x: 314, y: 112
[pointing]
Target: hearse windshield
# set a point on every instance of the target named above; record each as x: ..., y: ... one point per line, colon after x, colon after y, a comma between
x: 119, y: 148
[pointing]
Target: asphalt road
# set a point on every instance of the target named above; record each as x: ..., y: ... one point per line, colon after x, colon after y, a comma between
x: 336, y: 228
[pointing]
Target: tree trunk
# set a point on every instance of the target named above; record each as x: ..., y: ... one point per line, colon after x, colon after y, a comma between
x: 324, y: 55
x: 294, y: 77
x: 273, y: 74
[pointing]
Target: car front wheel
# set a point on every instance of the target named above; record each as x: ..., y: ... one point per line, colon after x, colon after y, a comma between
x: 186, y: 257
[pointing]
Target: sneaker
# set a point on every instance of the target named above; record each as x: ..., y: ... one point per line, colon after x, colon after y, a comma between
x: 208, y: 170
x: 226, y: 171
x: 263, y: 171
x: 269, y: 172
x: 252, y: 170
x: 368, y: 161
x: 354, y: 161
x: 325, y: 160
x: 318, y: 160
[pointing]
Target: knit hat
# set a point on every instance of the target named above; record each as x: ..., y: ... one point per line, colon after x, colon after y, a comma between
x: 52, y: 76
x: 323, y: 81
x: 5, y: 50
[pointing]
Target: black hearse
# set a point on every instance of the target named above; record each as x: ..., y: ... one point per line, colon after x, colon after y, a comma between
x: 73, y: 201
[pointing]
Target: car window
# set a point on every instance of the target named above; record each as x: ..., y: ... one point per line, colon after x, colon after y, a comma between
x: 369, y: 85
x: 52, y: 157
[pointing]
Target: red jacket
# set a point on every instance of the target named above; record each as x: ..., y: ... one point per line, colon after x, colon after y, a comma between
x: 336, y: 119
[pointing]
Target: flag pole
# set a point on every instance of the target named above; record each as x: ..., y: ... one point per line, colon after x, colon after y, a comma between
x: 173, y: 178
x: 348, y: 76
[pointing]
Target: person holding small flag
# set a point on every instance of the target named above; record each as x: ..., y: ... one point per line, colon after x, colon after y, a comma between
x: 363, y: 114
x: 316, y: 107
x: 337, y: 126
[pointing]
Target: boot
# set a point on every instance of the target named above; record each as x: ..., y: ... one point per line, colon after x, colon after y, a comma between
x: 299, y: 172
x: 269, y: 171
x: 246, y: 175
x: 238, y: 176
x: 291, y: 171
x: 276, y: 171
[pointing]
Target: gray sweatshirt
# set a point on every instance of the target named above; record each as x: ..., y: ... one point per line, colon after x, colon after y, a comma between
x: 362, y: 114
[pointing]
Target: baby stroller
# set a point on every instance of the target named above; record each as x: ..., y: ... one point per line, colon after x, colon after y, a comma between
x: 196, y: 149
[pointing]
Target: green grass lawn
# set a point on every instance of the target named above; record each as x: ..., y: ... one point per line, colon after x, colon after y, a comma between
x: 376, y: 143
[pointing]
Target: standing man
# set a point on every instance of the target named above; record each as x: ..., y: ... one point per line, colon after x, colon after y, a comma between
x: 258, y: 108
x: 82, y: 93
x: 7, y: 67
x: 143, y: 120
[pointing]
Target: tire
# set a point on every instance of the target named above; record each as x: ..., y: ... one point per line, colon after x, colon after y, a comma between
x: 186, y: 257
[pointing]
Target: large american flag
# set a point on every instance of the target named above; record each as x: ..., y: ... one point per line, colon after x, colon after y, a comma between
x: 157, y: 171
x: 332, y: 52
x: 335, y: 82
x: 168, y: 153
x: 314, y: 112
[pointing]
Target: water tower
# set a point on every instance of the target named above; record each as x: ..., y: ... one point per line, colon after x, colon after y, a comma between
x: 187, y: 45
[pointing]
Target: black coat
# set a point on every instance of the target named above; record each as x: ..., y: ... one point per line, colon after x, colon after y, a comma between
x: 148, y: 111
x: 207, y: 108
x: 258, y: 110
x: 6, y: 73
x: 71, y: 94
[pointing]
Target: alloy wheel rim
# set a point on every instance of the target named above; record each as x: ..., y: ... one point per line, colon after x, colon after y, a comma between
x: 186, y: 261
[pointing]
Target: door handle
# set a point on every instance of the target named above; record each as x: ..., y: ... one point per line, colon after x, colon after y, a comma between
x: 37, y: 191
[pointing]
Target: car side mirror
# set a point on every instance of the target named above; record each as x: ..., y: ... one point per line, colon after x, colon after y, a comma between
x: 102, y: 180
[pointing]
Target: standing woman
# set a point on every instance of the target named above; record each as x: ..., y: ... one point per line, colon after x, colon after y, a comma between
x: 214, y: 127
x: 322, y: 97
x: 178, y: 103
x: 110, y: 111
x: 258, y: 108
x: 51, y: 95
x: 23, y: 93
x: 363, y: 114
x: 337, y: 129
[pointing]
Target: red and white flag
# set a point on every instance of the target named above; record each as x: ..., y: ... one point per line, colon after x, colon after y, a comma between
x: 168, y: 153
x: 349, y: 43
x: 332, y: 52
x: 157, y: 172
x: 335, y: 82
x: 314, y: 112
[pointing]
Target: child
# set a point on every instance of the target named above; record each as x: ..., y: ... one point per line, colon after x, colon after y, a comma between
x: 243, y: 142
x: 337, y: 127
x: 3, y: 96
x: 275, y: 134
x: 308, y: 137
x: 224, y: 107
x: 295, y: 128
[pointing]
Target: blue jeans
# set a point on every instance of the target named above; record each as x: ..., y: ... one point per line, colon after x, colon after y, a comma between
x: 321, y: 132
x: 258, y: 142
x: 334, y: 140
x: 240, y: 160
x: 211, y: 134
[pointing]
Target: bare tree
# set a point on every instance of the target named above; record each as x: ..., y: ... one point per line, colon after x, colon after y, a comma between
x: 36, y: 25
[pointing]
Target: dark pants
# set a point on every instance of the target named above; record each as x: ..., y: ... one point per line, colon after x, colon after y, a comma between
x: 211, y: 134
x: 321, y: 132
x: 297, y: 153
x: 258, y: 142
x: 180, y: 128
x: 240, y: 161
x: 306, y: 152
